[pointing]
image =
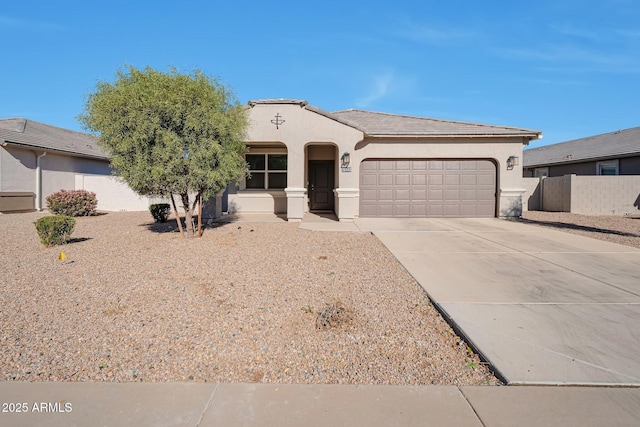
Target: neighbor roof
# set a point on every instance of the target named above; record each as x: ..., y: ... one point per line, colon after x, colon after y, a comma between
x: 385, y: 124
x: 35, y: 135
x: 621, y: 143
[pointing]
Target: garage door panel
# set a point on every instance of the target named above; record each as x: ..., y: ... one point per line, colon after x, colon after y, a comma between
x: 468, y: 195
x: 418, y: 195
x: 452, y: 180
x: 402, y: 195
x: 403, y: 165
x: 418, y: 210
x: 402, y: 209
x: 420, y: 179
x: 385, y: 195
x: 488, y: 180
x: 436, y: 195
x: 368, y: 180
x: 403, y: 179
x: 436, y: 179
x: 486, y: 165
x: 468, y: 179
x: 436, y: 165
x: 451, y: 210
x: 385, y: 210
x: 452, y: 195
x: 452, y: 165
x: 385, y: 179
x: 368, y: 195
x: 368, y: 166
x: 419, y: 165
x: 427, y: 188
x: 386, y: 165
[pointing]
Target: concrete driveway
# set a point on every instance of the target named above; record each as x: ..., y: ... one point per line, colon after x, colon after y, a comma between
x: 542, y: 306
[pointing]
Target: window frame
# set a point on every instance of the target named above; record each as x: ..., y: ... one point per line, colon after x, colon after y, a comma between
x: 607, y: 163
x: 541, y: 172
x: 266, y: 171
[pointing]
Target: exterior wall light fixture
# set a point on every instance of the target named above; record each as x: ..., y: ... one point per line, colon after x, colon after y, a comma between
x: 346, y: 159
x: 512, y: 161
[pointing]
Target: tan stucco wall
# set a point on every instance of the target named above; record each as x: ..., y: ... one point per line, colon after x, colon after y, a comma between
x: 301, y: 128
x: 325, y: 138
x: 18, y: 171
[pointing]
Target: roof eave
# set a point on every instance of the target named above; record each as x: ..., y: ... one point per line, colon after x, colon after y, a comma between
x: 574, y: 161
x: 527, y: 137
x: 54, y: 150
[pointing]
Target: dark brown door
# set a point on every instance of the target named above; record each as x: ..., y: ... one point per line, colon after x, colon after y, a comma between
x: 321, y: 185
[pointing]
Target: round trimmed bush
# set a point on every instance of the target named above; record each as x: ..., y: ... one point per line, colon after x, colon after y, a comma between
x: 160, y: 211
x: 55, y: 230
x: 73, y: 203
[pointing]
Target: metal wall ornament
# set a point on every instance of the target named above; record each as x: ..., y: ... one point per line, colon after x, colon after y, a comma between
x: 278, y: 121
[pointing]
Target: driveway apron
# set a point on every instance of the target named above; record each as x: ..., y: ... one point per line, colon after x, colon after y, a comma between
x: 542, y: 306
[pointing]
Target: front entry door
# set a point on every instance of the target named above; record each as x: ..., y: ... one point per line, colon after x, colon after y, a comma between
x: 321, y: 185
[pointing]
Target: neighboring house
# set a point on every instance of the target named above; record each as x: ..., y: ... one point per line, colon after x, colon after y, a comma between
x: 614, y: 153
x: 37, y: 160
x: 366, y: 164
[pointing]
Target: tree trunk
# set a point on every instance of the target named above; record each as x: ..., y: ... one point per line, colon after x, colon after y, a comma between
x: 175, y: 209
x: 200, y: 215
x: 188, y: 214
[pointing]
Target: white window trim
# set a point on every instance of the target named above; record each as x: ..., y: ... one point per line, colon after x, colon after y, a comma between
x: 615, y: 163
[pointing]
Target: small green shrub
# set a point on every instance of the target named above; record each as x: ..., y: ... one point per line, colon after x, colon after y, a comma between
x: 73, y: 203
x: 55, y: 230
x: 160, y: 211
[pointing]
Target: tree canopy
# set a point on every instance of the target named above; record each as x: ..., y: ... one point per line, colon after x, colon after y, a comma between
x: 169, y: 133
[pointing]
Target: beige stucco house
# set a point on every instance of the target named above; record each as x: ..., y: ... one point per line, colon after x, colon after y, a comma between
x: 353, y: 163
x: 366, y: 164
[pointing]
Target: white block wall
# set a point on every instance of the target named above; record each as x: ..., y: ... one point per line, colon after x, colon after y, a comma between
x: 112, y: 194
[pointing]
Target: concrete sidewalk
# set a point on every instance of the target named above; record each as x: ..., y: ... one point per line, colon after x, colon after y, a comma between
x: 542, y: 306
x: 229, y: 405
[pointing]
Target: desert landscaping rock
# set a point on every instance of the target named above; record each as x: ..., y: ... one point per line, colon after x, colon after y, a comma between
x: 624, y: 230
x: 134, y: 301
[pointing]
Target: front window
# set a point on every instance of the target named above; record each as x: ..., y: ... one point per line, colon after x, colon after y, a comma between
x: 268, y: 171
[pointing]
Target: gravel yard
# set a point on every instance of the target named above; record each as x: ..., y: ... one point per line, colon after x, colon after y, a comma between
x: 134, y: 303
x: 615, y: 229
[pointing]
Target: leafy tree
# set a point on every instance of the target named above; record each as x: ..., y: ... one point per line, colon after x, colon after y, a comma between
x: 169, y: 134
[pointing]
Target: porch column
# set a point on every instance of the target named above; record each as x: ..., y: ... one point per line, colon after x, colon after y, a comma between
x: 511, y: 202
x: 347, y: 203
x: 296, y: 198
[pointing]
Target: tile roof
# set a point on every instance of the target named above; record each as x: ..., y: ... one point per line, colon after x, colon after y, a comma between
x: 621, y: 143
x: 385, y: 124
x: 31, y: 134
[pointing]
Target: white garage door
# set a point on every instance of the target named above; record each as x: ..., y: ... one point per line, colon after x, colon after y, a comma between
x: 428, y: 188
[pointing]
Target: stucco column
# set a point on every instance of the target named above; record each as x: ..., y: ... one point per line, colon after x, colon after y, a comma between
x: 295, y: 191
x: 347, y: 203
x: 511, y: 202
x: 296, y: 198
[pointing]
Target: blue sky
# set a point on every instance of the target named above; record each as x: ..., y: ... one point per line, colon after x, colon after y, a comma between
x: 568, y: 68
